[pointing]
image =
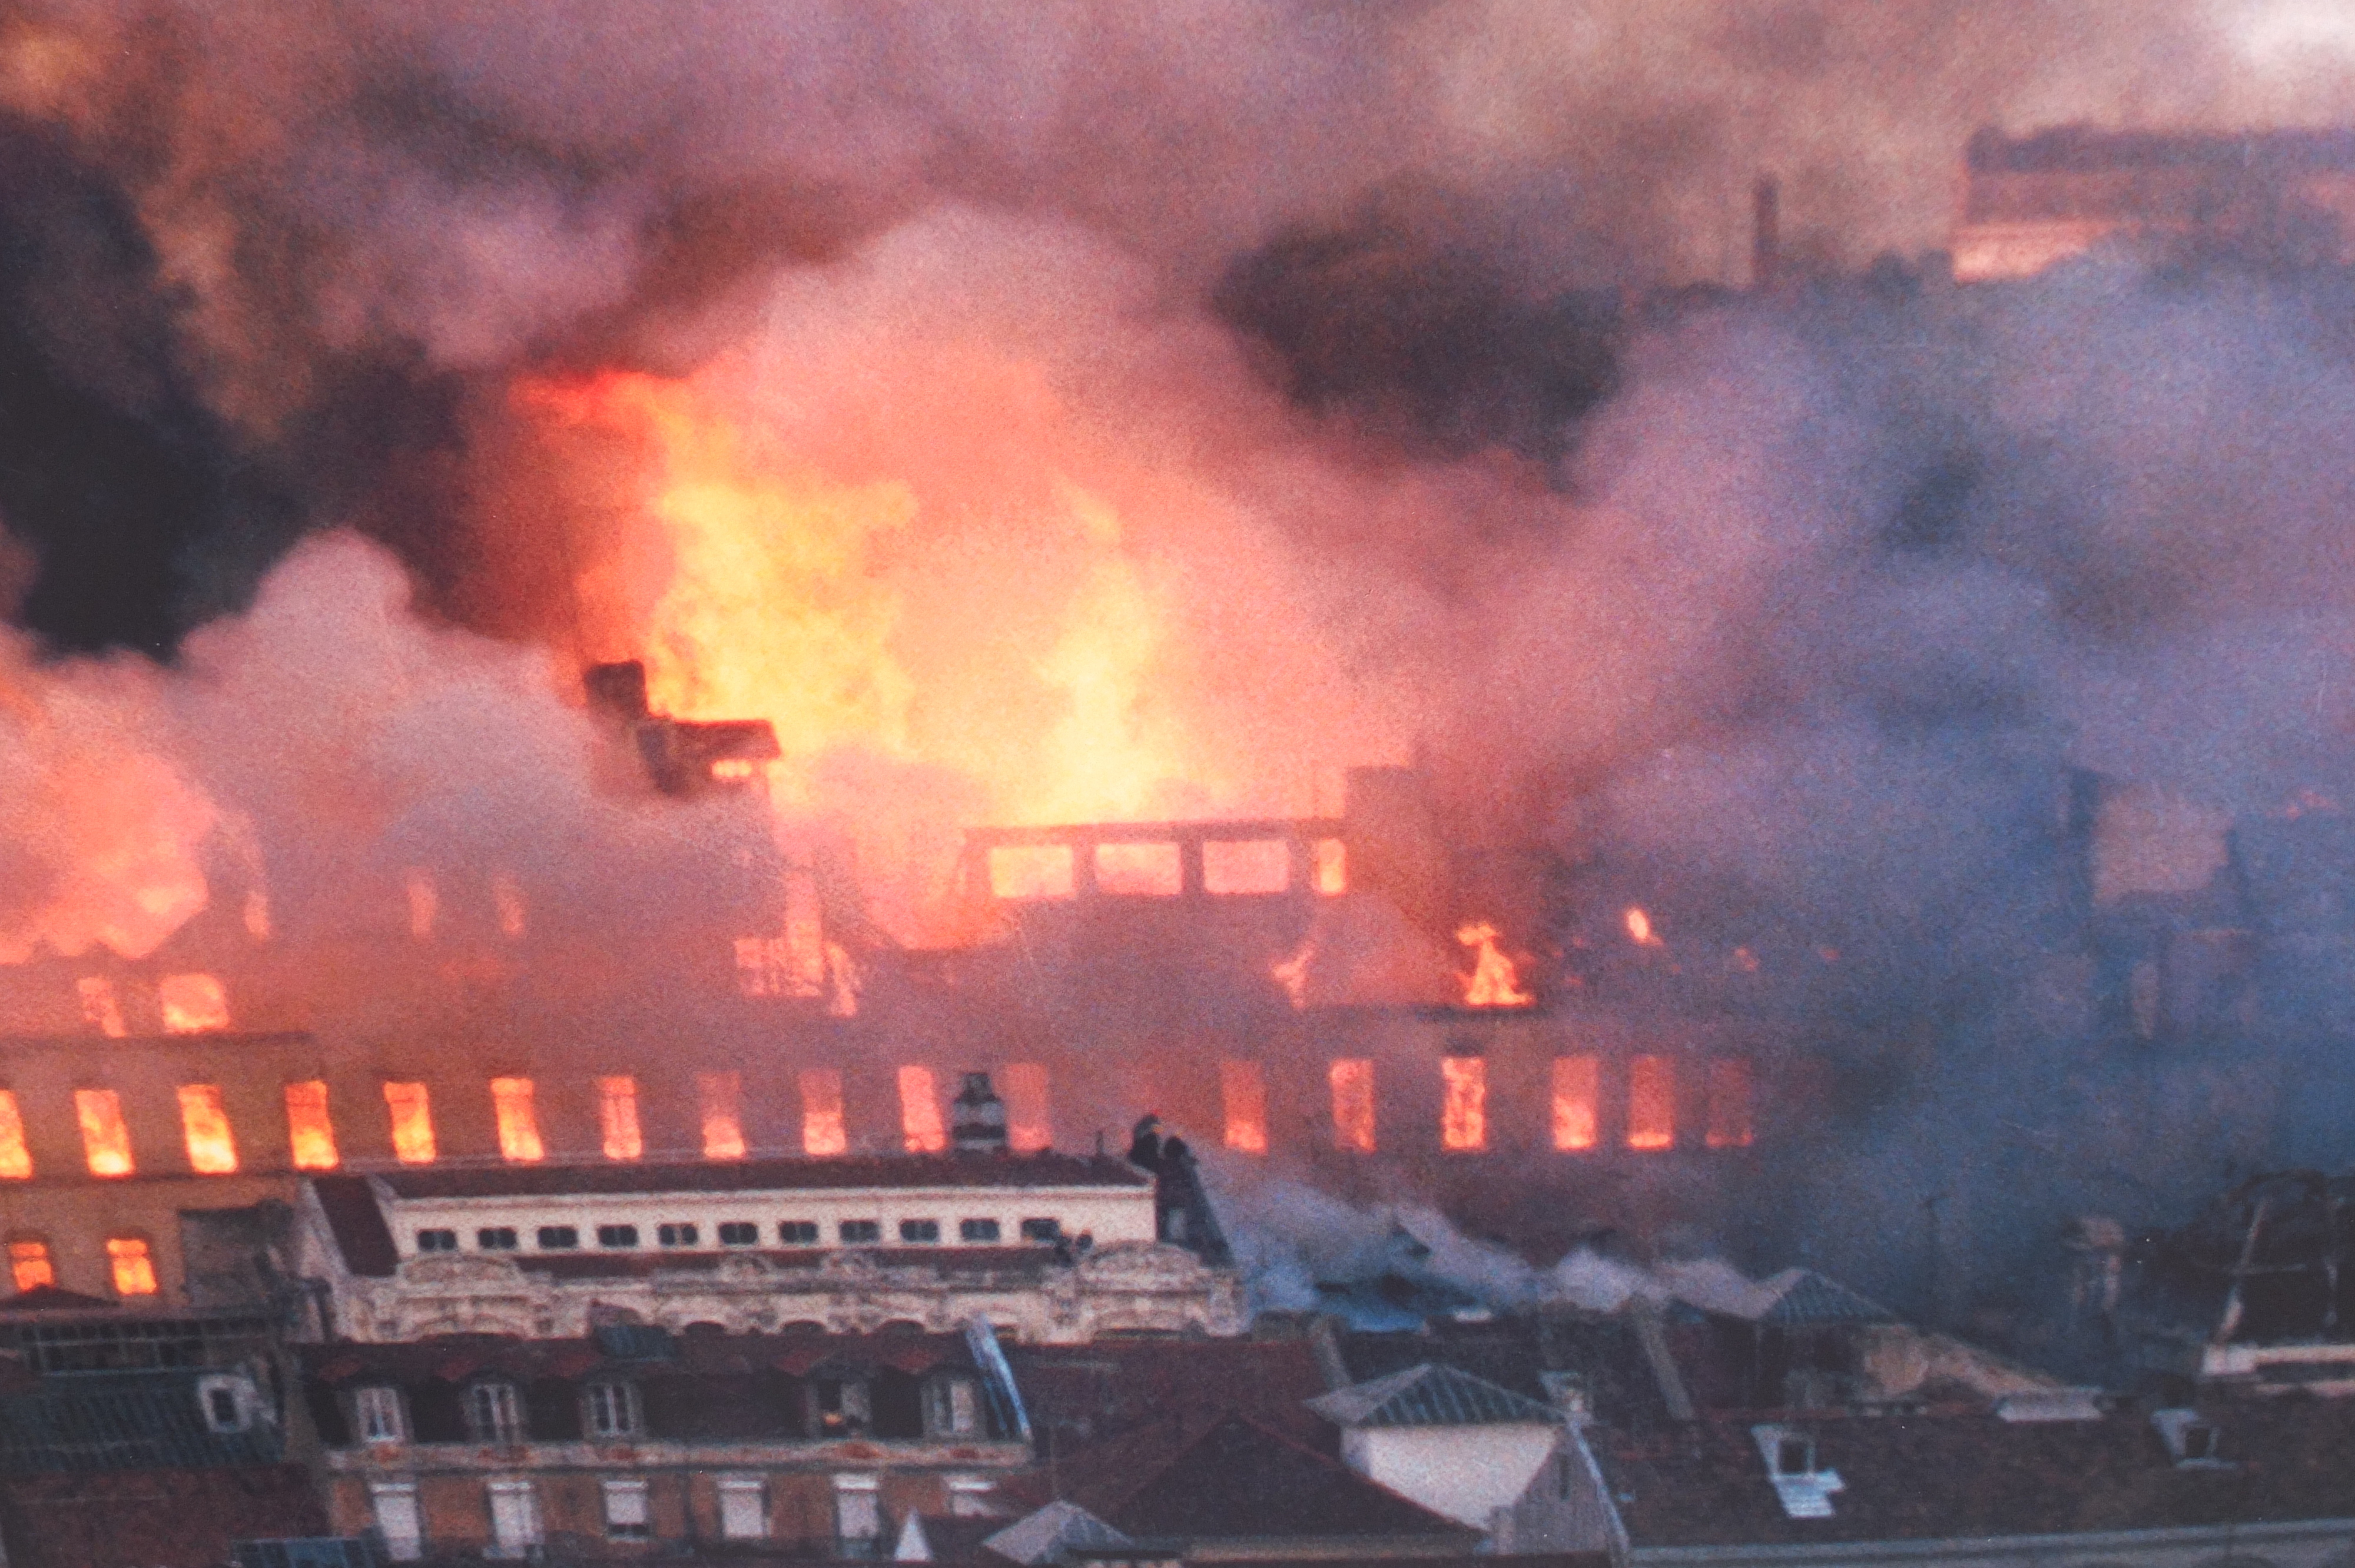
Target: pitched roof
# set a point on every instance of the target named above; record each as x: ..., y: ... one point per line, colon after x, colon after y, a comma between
x: 1803, y: 1298
x: 1042, y: 1536
x: 1171, y: 1390
x: 1520, y: 1352
x: 1941, y: 1476
x: 49, y: 1298
x: 1430, y: 1396
x: 1240, y: 1480
x: 123, y: 1420
x: 775, y: 1175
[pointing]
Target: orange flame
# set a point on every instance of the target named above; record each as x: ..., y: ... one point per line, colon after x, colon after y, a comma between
x: 1292, y: 973
x: 1494, y: 981
x: 310, y: 1131
x: 411, y: 1108
x: 1243, y: 1096
x: 823, y: 1132
x: 105, y: 1136
x: 1463, y: 1110
x: 1640, y: 932
x: 212, y: 1148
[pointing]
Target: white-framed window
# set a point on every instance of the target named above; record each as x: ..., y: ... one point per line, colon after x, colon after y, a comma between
x: 628, y: 1516
x: 495, y: 1412
x: 611, y: 1410
x: 972, y: 1497
x: 394, y: 1504
x: 515, y: 1519
x: 743, y: 1507
x: 228, y: 1404
x: 377, y: 1416
x: 952, y: 1407
x: 857, y: 1514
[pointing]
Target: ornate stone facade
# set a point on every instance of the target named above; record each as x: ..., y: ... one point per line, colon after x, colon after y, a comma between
x: 1123, y: 1288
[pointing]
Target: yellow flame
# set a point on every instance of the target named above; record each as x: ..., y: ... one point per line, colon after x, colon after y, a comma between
x: 1494, y: 981
x: 1639, y: 930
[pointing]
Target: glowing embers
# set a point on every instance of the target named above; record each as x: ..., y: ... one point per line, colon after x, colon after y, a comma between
x: 1493, y: 981
x: 28, y: 1265
x: 1293, y: 973
x: 511, y: 1103
x: 1242, y: 1095
x: 15, y: 1157
x: 922, y: 1128
x: 1652, y: 1103
x: 192, y: 1004
x: 309, y: 1132
x: 1577, y: 1091
x: 1640, y: 932
x: 825, y: 1131
x: 1244, y: 866
x: 133, y: 1267
x: 720, y: 1096
x: 1729, y: 1103
x: 100, y: 1008
x: 412, y: 1123
x: 105, y: 1137
x: 617, y: 1118
x: 1463, y: 1108
x: 1145, y: 871
x: 1029, y: 1120
x: 1330, y: 868
x: 1352, y: 1079
x: 203, y: 1124
x: 1031, y: 871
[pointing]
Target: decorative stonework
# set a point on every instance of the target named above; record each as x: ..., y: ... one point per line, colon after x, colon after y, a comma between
x: 1126, y: 1286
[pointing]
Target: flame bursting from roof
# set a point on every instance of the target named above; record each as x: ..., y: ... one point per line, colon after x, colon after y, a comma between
x: 1494, y: 981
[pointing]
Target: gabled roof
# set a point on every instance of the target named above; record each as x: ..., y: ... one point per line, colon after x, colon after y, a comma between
x: 1803, y: 1298
x: 1044, y: 1535
x: 1430, y: 1396
x: 1241, y: 1482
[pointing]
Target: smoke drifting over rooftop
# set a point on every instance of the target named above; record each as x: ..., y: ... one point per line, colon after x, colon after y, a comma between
x: 1147, y: 411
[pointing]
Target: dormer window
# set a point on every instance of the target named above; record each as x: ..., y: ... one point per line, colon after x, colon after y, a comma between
x: 611, y: 1410
x: 839, y: 1404
x: 1795, y: 1455
x: 228, y: 1404
x: 1801, y: 1484
x: 376, y: 1415
x: 2190, y: 1438
x: 494, y: 1412
x: 952, y: 1407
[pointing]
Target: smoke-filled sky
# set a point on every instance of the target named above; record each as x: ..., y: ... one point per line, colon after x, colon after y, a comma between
x: 1156, y: 409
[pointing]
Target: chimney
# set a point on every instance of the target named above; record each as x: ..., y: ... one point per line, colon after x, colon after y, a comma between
x: 618, y: 690
x: 1765, y: 234
x: 978, y: 1118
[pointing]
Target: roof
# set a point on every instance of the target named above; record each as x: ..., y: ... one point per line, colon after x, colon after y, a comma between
x: 49, y: 1298
x: 779, y: 1175
x: 1947, y: 1475
x: 123, y: 1420
x: 1166, y: 1392
x: 1803, y: 1298
x: 1519, y: 1353
x: 2084, y: 148
x: 159, y: 1519
x: 1430, y: 1396
x: 455, y: 1358
x: 357, y: 1226
x: 1045, y: 1534
x: 1241, y: 1482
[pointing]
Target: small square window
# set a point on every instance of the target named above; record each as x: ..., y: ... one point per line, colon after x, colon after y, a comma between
x: 556, y: 1238
x: 738, y: 1233
x: 920, y: 1232
x: 797, y: 1233
x: 860, y: 1232
x: 977, y: 1230
x: 437, y: 1240
x: 617, y: 1236
x: 1043, y: 1230
x: 678, y: 1236
x: 496, y: 1238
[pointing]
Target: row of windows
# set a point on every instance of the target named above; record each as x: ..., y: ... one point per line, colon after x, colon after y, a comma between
x: 130, y: 1265
x: 517, y: 1527
x: 1653, y: 1103
x: 736, y: 1233
x: 837, y: 1405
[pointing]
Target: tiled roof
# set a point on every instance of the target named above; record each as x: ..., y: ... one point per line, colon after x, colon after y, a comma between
x: 1429, y: 1396
x: 1803, y: 1298
x: 904, y: 1171
x: 1169, y: 1391
x: 117, y: 1421
x: 1241, y: 1482
x: 1517, y: 1352
x: 1045, y: 1534
x: 157, y: 1519
x: 1971, y: 1474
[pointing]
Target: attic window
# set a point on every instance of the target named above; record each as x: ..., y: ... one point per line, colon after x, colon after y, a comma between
x: 1795, y: 1456
x: 2191, y: 1439
x: 227, y: 1403
x: 1802, y: 1487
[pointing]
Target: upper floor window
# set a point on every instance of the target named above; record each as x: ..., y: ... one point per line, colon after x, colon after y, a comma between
x: 556, y: 1238
x: 376, y: 1415
x: 611, y: 1410
x: 228, y: 1404
x: 28, y: 1264
x: 920, y: 1232
x: 494, y: 1412
x: 437, y: 1240
x: 860, y: 1232
x: 977, y: 1230
x: 678, y: 1236
x: 133, y: 1265
x: 1043, y: 1230
x: 840, y: 1405
x: 738, y: 1233
x: 496, y: 1238
x: 617, y: 1236
x: 797, y: 1233
x: 952, y: 1407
